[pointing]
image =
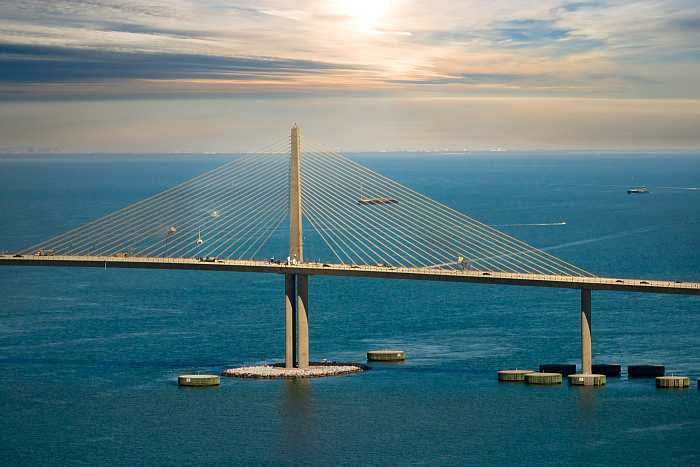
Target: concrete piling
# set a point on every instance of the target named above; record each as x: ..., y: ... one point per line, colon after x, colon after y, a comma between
x: 587, y: 380
x: 198, y: 380
x: 543, y: 378
x: 672, y: 382
x: 512, y: 376
x: 386, y: 355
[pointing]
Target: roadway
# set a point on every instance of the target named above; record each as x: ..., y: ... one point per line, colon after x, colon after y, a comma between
x: 380, y: 272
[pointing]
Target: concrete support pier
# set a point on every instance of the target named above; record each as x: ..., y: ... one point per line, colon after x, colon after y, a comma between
x: 586, y: 345
x: 303, y: 320
x: 290, y: 309
x: 586, y: 377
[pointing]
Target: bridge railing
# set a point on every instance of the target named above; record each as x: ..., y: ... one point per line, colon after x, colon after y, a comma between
x: 314, y: 266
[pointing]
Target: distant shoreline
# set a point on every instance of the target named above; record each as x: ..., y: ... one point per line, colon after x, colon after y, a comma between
x: 476, y: 152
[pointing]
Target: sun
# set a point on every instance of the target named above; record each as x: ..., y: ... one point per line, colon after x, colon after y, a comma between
x: 364, y: 14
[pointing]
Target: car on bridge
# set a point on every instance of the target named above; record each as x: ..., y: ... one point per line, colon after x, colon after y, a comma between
x: 44, y: 253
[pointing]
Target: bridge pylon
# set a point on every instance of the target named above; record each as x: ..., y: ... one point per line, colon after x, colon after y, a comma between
x: 296, y: 285
x: 586, y: 346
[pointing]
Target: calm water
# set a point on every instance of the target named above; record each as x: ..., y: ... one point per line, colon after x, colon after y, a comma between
x: 89, y: 358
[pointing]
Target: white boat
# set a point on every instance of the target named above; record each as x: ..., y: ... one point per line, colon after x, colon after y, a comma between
x: 637, y: 190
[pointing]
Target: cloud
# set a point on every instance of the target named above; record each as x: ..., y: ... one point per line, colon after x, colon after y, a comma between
x: 532, y: 45
x: 294, y: 15
x: 530, y: 31
x: 575, y: 6
x: 473, y: 78
x: 135, y: 28
x: 689, y: 24
x: 525, y: 33
x: 45, y: 64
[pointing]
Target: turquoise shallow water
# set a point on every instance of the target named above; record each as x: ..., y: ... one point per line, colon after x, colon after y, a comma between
x: 89, y: 358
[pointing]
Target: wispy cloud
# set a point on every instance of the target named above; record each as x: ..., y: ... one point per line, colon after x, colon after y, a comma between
x: 575, y: 6
x: 135, y: 28
x: 530, y: 31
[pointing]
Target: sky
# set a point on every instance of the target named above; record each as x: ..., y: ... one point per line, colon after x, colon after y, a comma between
x: 211, y: 75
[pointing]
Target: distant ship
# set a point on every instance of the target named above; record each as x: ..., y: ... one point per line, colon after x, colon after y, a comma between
x: 368, y: 201
x: 637, y: 190
x: 374, y: 201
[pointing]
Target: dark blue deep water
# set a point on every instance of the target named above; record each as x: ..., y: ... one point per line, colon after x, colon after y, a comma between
x: 89, y: 357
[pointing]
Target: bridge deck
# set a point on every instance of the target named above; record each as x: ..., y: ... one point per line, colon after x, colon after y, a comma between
x: 318, y: 269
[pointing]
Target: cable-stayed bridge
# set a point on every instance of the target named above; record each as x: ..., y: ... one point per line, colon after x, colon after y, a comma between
x: 370, y: 225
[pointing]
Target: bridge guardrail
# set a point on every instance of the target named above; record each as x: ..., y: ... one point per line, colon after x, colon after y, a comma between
x: 582, y: 280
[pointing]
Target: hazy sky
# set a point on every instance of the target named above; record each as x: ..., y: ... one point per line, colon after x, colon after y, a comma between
x: 179, y: 75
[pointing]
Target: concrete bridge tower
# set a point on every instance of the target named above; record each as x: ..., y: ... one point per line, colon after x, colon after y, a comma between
x: 296, y: 285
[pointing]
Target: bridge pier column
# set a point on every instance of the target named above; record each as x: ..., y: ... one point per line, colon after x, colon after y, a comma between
x: 303, y: 320
x: 586, y: 346
x: 290, y: 305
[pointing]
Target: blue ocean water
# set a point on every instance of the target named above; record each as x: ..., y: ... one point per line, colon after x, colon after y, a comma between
x: 89, y: 357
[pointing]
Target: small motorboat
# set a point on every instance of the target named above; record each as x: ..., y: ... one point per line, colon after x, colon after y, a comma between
x: 637, y: 190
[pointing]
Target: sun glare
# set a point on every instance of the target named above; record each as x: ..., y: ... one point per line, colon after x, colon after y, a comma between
x: 365, y: 14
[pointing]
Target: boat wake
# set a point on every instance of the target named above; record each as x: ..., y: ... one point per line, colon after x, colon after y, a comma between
x: 624, y: 233
x: 680, y: 188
